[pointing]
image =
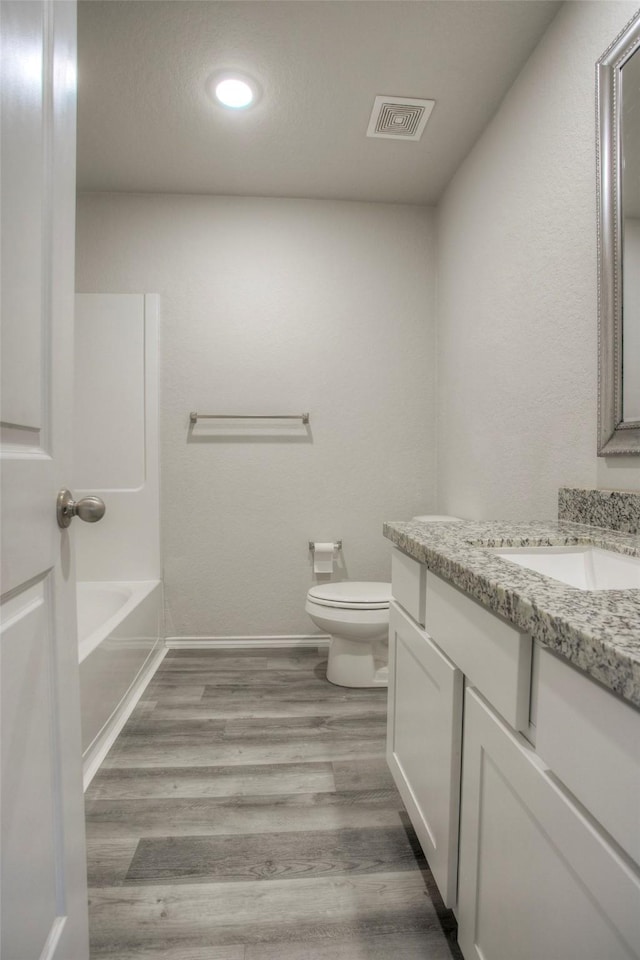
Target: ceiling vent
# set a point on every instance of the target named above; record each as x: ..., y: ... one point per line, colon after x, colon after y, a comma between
x: 399, y: 118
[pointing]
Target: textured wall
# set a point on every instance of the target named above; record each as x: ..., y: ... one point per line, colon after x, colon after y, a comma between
x: 517, y: 310
x: 277, y: 305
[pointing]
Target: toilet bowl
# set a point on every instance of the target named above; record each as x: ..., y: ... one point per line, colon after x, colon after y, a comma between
x: 356, y: 616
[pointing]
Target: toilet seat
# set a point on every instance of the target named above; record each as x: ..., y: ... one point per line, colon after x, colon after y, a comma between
x: 352, y: 595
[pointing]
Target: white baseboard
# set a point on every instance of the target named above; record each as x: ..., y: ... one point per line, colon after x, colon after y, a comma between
x: 100, y: 746
x: 224, y: 643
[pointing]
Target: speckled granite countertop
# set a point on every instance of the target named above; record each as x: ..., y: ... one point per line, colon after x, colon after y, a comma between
x: 597, y: 631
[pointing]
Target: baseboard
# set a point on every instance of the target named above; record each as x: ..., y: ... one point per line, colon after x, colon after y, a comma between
x: 101, y: 745
x: 223, y: 643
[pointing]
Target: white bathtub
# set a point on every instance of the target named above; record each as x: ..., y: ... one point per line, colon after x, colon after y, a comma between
x: 119, y: 648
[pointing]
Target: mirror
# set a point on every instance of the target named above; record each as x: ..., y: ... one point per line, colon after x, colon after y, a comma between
x: 618, y: 105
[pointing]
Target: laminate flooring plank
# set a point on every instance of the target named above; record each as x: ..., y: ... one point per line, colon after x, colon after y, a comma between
x: 424, y: 945
x: 108, y: 861
x: 362, y: 727
x: 234, y: 707
x: 175, y: 733
x: 370, y: 773
x: 286, y: 660
x: 297, y: 660
x: 260, y: 912
x: 166, y: 691
x: 212, y: 816
x: 258, y: 678
x: 192, y: 782
x: 285, y: 681
x: 199, y: 660
x: 299, y: 689
x: 179, y: 950
x: 272, y: 856
x: 149, y: 751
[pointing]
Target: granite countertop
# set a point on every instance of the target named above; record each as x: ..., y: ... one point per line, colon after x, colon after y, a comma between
x: 597, y: 631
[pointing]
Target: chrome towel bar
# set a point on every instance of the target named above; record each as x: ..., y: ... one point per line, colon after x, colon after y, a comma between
x: 194, y: 417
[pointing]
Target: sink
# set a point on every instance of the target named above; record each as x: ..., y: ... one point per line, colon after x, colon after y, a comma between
x: 583, y: 566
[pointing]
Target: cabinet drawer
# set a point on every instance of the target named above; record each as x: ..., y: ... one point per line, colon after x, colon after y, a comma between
x: 537, y: 880
x: 494, y: 656
x: 408, y: 579
x: 591, y: 741
x: 424, y: 743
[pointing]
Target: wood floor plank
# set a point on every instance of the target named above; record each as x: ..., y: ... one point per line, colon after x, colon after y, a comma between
x: 213, y: 816
x: 233, y: 707
x: 362, y: 727
x: 147, y: 751
x: 286, y: 683
x: 305, y: 661
x: 234, y: 781
x: 169, y: 690
x: 218, y: 661
x: 363, y: 774
x: 297, y: 659
x: 178, y: 950
x: 272, y: 856
x: 259, y: 912
x: 108, y: 861
x: 424, y: 945
x: 174, y: 733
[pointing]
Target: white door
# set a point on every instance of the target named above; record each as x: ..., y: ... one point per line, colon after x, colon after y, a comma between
x: 43, y: 894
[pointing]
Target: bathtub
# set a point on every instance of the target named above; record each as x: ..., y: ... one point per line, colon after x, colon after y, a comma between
x: 119, y: 649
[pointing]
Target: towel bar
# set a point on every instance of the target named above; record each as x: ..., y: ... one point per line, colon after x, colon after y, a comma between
x: 194, y: 417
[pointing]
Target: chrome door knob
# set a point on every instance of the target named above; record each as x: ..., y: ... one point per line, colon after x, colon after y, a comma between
x: 89, y: 509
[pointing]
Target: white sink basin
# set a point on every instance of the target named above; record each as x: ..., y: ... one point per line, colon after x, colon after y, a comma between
x: 584, y: 566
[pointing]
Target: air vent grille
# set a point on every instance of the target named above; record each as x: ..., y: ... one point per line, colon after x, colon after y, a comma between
x: 399, y: 118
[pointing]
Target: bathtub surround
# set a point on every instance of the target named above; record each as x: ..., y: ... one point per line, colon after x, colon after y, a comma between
x: 517, y: 303
x: 615, y: 509
x: 277, y: 306
x: 116, y: 434
x: 120, y: 603
x: 597, y: 631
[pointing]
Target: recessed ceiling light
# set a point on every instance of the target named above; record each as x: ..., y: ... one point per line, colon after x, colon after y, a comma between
x: 233, y: 90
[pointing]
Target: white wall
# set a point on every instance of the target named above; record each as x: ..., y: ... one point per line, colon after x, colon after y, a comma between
x: 277, y: 306
x: 517, y: 311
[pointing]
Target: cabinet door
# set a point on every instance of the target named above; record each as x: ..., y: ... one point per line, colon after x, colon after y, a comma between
x: 423, y: 743
x: 537, y: 878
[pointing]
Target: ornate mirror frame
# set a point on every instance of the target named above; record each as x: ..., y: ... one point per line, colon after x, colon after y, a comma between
x: 615, y: 436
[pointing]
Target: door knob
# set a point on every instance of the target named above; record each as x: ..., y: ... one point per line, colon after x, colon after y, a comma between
x: 89, y: 509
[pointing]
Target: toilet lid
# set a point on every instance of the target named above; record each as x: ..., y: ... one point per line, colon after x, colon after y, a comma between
x: 352, y: 595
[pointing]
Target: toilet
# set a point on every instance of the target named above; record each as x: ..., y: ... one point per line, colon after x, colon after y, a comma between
x: 356, y: 615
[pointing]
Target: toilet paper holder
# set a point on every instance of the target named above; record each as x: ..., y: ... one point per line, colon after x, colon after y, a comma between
x: 337, y: 545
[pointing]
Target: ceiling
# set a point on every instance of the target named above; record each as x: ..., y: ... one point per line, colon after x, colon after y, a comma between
x: 147, y: 124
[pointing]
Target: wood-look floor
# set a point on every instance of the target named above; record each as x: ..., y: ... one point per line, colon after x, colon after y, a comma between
x: 246, y: 813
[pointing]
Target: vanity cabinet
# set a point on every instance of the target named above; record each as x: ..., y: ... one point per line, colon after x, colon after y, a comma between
x: 538, y: 880
x: 544, y: 865
x: 424, y: 741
